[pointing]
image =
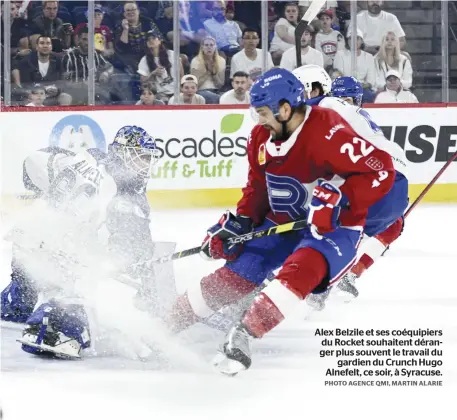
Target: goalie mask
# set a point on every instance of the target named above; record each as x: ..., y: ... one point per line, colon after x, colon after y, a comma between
x: 137, y: 149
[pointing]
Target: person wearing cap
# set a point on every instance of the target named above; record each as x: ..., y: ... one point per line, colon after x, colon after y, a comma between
x: 328, y: 41
x: 284, y: 30
x: 239, y: 95
x: 103, y: 38
x: 188, y: 95
x: 375, y: 22
x: 308, y: 54
x: 394, y: 92
x: 365, y: 70
x: 37, y: 95
x: 156, y: 66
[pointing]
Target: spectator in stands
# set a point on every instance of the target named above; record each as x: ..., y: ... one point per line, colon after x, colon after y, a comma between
x: 156, y: 67
x: 40, y: 67
x: 19, y: 32
x: 226, y: 33
x: 131, y: 36
x: 283, y: 38
x: 148, y: 95
x: 394, y: 91
x: 374, y: 23
x: 75, y: 66
x: 334, y: 73
x: 249, y: 59
x: 365, y: 72
x: 240, y: 92
x: 103, y: 40
x: 209, y: 69
x: 316, y: 24
x: 188, y: 95
x: 37, y: 96
x: 191, y: 28
x: 50, y: 25
x: 308, y: 54
x: 390, y: 57
x: 328, y: 41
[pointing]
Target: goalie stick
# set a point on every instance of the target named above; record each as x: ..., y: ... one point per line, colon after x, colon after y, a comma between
x: 308, y: 17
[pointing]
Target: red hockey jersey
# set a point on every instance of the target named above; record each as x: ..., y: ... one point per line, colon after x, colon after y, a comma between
x: 282, y: 175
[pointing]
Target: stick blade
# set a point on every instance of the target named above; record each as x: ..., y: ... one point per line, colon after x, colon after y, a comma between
x: 308, y: 17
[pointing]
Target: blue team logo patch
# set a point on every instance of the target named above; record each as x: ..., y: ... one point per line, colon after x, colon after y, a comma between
x: 287, y: 195
x: 77, y: 132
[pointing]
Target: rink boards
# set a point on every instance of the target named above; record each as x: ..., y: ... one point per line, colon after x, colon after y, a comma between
x: 203, y: 149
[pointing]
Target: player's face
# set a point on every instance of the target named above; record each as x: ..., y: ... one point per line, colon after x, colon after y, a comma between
x: 349, y: 100
x: 267, y: 119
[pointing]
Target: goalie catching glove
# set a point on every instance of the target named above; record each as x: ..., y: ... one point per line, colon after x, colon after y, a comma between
x: 324, y: 209
x: 215, y: 245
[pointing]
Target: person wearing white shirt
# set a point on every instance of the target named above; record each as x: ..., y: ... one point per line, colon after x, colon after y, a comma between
x: 365, y: 69
x: 284, y: 30
x: 308, y: 54
x: 374, y: 23
x: 249, y: 59
x: 226, y: 32
x: 239, y: 95
x: 328, y: 41
x: 390, y: 57
x: 188, y: 95
x: 394, y: 92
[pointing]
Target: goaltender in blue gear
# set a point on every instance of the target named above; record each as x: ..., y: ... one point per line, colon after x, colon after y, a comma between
x: 58, y: 325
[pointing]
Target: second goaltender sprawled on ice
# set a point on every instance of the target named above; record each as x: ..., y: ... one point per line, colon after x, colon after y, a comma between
x: 296, y: 153
x: 79, y: 194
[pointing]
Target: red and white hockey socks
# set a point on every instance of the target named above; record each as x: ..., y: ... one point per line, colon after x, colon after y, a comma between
x: 299, y: 276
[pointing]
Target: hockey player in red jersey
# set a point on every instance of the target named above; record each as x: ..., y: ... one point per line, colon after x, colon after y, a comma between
x: 305, y: 163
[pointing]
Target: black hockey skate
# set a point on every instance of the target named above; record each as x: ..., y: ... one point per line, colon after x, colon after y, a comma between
x: 235, y: 354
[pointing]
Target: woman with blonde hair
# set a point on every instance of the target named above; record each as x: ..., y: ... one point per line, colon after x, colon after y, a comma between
x: 209, y: 68
x: 390, y: 57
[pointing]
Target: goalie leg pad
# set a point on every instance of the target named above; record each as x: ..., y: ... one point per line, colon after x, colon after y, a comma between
x: 19, y: 298
x: 57, y: 329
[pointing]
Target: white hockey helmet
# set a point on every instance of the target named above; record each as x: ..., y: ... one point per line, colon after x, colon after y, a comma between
x: 312, y: 73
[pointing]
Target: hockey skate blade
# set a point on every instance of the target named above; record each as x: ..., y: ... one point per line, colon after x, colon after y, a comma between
x: 49, y: 349
x: 226, y: 366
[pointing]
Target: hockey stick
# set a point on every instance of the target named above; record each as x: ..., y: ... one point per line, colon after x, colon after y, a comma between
x: 275, y: 230
x: 430, y: 184
x: 308, y: 17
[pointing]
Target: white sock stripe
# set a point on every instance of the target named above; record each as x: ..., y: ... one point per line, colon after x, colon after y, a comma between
x: 284, y: 299
x: 197, y: 302
x: 373, y: 248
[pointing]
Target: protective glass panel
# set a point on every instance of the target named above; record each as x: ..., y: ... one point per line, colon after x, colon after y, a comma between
x: 399, y: 50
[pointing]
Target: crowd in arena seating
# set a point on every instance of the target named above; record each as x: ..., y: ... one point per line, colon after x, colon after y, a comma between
x: 219, y: 55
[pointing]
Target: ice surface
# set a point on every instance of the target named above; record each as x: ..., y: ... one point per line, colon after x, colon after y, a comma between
x: 413, y: 286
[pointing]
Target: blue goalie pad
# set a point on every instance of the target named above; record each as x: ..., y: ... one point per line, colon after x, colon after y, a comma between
x: 56, y: 329
x: 18, y: 298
